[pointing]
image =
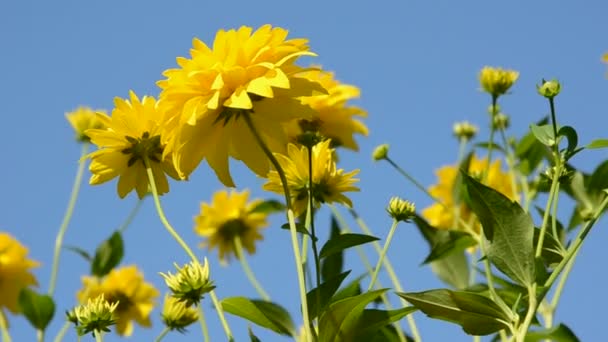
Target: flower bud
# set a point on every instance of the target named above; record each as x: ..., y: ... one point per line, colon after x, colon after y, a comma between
x: 501, y: 121
x: 190, y: 282
x: 497, y: 81
x: 82, y: 119
x: 176, y: 315
x: 464, y: 130
x: 549, y: 89
x: 380, y: 152
x: 400, y: 209
x: 95, y: 316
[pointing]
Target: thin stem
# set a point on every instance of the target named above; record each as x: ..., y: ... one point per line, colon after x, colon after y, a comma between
x: 220, y: 313
x: 203, y: 323
x: 523, y: 328
x: 123, y: 227
x: 560, y: 288
x: 63, y: 331
x: 554, y: 215
x: 488, y: 272
x: 387, y: 243
x: 417, y: 184
x: 292, y: 224
x: 162, y: 334
x: 6, y: 336
x: 554, y: 123
x: 252, y: 279
x: 313, y: 235
x: 98, y: 336
x: 40, y: 335
x: 543, y: 227
x: 66, y: 218
x: 492, y: 129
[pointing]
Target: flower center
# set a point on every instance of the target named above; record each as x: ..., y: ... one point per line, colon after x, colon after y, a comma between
x: 143, y: 148
x: 232, y: 228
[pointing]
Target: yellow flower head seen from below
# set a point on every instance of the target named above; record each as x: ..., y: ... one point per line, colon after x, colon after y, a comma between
x: 444, y: 216
x: 400, y: 209
x: 131, y: 137
x: 190, y: 282
x: 497, y: 81
x: 96, y: 315
x: 227, y: 216
x: 329, y: 183
x: 244, y: 72
x: 176, y: 315
x: 84, y: 118
x: 124, y: 285
x: 333, y: 118
x: 15, y: 271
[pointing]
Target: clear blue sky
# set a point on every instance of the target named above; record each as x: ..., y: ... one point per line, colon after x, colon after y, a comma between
x: 416, y: 63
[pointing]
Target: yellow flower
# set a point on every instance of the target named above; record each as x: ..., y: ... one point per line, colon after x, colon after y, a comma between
x: 96, y: 315
x: 400, y: 209
x: 329, y: 183
x: 176, y: 315
x: 444, y: 217
x: 15, y: 271
x: 333, y: 118
x: 84, y: 118
x: 497, y: 81
x: 132, y: 135
x: 190, y: 282
x: 135, y: 297
x: 243, y: 73
x: 227, y: 216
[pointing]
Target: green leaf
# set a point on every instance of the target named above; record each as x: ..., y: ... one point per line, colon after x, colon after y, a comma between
x: 560, y: 333
x: 476, y: 314
x: 544, y: 134
x: 299, y: 228
x: 530, y: 151
x: 350, y: 290
x: 84, y: 254
x: 598, y: 143
x: 108, y: 255
x: 457, y: 242
x: 376, y: 319
x: 38, y: 309
x: 262, y: 313
x: 325, y: 291
x: 570, y: 134
x: 268, y: 207
x: 344, y: 241
x: 332, y: 265
x: 340, y: 321
x: 252, y: 337
x: 508, y: 228
x: 553, y: 252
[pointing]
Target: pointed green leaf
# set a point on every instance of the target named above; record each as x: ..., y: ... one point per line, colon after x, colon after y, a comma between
x: 84, y: 254
x: 544, y: 134
x: 262, y: 313
x: 268, y: 207
x: 508, y: 228
x: 530, y: 152
x: 332, y: 265
x: 350, y: 290
x: 570, y: 134
x: 344, y: 241
x: 341, y: 319
x: 457, y: 242
x: 38, y: 309
x: 108, y: 255
x: 252, y: 337
x: 325, y: 291
x: 598, y: 143
x: 560, y: 333
x: 376, y: 319
x: 552, y: 252
x: 299, y: 228
x: 476, y: 314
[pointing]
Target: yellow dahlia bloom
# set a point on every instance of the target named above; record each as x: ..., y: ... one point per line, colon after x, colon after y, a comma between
x: 444, y: 218
x: 329, y: 183
x: 15, y: 271
x: 497, y: 81
x: 227, y: 216
x: 82, y: 119
x: 133, y: 134
x: 333, y: 118
x: 244, y: 72
x: 135, y: 297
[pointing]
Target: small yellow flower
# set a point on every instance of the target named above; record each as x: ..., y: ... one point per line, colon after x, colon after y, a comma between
x: 227, y: 216
x: 400, y: 209
x: 380, y: 152
x: 132, y: 136
x: 465, y: 130
x: 244, y: 72
x: 176, y: 315
x: 125, y: 285
x: 84, y: 118
x: 329, y: 183
x: 190, y: 282
x: 333, y: 118
x: 443, y: 216
x: 497, y: 81
x: 15, y: 271
x: 96, y: 315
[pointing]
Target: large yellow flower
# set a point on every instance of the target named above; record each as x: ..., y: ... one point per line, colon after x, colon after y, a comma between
x: 227, y: 216
x: 243, y: 73
x: 329, y: 183
x: 444, y: 217
x: 135, y: 297
x: 132, y: 135
x: 333, y: 118
x: 15, y: 271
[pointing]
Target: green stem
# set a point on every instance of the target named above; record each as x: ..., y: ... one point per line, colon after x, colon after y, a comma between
x: 162, y: 334
x: 554, y: 123
x: 292, y: 224
x: 554, y: 215
x: 523, y: 328
x: 181, y: 242
x: 492, y: 129
x: 63, y: 331
x: 123, y: 227
x: 551, y: 198
x: 98, y: 336
x: 66, y: 218
x: 6, y: 336
x: 203, y: 323
x: 387, y: 243
x: 417, y: 184
x: 313, y: 235
x: 252, y: 279
x: 40, y: 335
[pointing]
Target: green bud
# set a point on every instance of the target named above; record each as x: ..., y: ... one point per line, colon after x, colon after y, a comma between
x: 549, y: 89
x: 380, y: 152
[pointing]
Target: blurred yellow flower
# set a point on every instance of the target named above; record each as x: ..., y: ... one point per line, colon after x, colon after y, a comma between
x: 84, y: 118
x: 135, y: 297
x: 176, y: 315
x: 245, y: 72
x: 333, y: 118
x: 497, y: 81
x: 329, y: 183
x: 227, y: 216
x: 132, y: 135
x: 15, y: 271
x: 444, y: 217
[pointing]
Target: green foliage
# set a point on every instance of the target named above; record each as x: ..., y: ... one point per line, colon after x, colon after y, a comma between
x: 265, y: 314
x: 598, y: 143
x: 508, y: 229
x: 268, y: 207
x: 374, y: 320
x: 560, y: 333
x: 341, y: 242
x: 300, y: 228
x: 38, y: 309
x: 332, y: 265
x: 325, y: 291
x: 544, y: 134
x: 108, y: 255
